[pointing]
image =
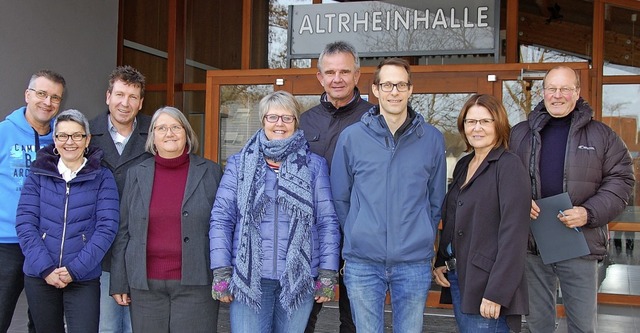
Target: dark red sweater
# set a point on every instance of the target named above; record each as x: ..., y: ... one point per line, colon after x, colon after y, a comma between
x: 164, y: 238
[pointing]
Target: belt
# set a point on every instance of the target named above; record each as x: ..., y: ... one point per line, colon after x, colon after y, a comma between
x: 450, y: 264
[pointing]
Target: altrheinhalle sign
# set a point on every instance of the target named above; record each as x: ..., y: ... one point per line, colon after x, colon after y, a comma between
x: 377, y: 28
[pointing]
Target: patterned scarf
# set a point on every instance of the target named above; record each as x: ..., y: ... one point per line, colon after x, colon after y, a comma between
x: 295, y: 195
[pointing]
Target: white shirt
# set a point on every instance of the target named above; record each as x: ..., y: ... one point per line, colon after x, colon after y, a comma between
x: 68, y: 174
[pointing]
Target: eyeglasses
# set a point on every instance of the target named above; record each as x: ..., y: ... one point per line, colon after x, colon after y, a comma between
x: 563, y: 90
x: 41, y: 94
x: 164, y: 129
x: 63, y: 137
x: 273, y: 118
x: 388, y: 86
x: 474, y: 122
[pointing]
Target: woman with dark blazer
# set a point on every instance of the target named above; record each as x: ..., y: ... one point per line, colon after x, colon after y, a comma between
x: 161, y: 264
x: 481, y: 253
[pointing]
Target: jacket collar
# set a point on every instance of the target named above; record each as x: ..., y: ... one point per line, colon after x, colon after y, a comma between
x: 342, y: 111
x: 134, y: 148
x: 493, y: 156
x: 374, y: 120
x: 580, y: 116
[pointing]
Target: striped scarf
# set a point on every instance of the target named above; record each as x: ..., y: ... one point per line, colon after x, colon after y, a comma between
x: 295, y: 195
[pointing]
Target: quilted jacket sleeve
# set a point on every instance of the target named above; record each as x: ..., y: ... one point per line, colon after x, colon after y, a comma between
x: 326, y: 219
x: 28, y: 228
x: 224, y: 216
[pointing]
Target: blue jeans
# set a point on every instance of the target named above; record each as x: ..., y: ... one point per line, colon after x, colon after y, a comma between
x: 114, y: 318
x: 78, y: 304
x: 12, y: 281
x: 473, y: 323
x: 272, y: 317
x: 367, y: 285
x: 579, y: 284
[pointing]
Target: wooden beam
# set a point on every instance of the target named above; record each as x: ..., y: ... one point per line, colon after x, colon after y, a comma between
x: 212, y: 121
x: 176, y: 55
x: 245, y: 61
x: 120, y: 45
x: 597, y: 59
x: 511, y: 51
x: 619, y: 299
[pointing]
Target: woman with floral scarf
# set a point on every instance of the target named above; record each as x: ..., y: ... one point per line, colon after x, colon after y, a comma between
x: 274, y: 233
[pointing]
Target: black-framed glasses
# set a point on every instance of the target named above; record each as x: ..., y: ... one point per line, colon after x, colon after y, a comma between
x: 474, y: 122
x: 41, y: 94
x: 273, y: 118
x: 63, y: 137
x: 164, y: 129
x: 388, y: 86
x: 563, y: 90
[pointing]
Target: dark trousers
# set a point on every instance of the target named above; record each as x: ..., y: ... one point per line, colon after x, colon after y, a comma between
x: 78, y: 303
x: 346, y: 320
x: 169, y: 306
x: 11, y: 261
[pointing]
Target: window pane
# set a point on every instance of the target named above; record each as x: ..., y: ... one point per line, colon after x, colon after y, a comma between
x: 621, y: 46
x: 563, y: 26
x: 239, y: 116
x: 194, y: 111
x: 153, y: 100
x: 441, y: 111
x: 520, y: 98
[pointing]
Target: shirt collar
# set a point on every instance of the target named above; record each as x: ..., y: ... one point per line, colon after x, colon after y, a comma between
x: 113, y: 129
x: 66, y: 173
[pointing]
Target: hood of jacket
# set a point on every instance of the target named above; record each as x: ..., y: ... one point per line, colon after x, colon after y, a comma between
x: 18, y: 119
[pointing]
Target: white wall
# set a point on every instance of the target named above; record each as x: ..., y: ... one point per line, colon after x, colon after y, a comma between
x: 76, y: 38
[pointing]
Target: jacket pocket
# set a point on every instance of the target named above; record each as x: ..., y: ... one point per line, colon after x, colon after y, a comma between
x: 482, y: 262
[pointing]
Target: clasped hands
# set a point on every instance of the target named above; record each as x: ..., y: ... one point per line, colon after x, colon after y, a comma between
x: 59, y: 278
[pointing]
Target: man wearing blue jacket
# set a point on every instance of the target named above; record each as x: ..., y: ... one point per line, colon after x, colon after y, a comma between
x: 22, y: 133
x: 388, y: 179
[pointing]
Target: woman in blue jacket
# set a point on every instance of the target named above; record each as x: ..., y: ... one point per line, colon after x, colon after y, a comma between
x: 273, y: 227
x: 66, y: 220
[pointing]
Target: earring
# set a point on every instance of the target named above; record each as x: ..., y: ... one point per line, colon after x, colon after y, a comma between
x: 86, y: 150
x: 55, y: 151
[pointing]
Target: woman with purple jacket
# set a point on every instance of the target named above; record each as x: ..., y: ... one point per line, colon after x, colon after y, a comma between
x: 274, y: 233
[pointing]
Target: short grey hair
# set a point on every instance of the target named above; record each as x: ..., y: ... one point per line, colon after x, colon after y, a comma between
x: 72, y: 115
x: 339, y: 47
x: 280, y: 99
x: 192, y: 138
x: 49, y: 75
